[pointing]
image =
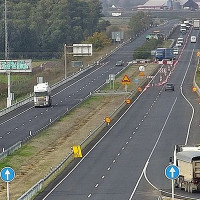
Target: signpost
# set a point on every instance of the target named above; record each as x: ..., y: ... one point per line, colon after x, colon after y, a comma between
x: 172, y: 172
x: 78, y: 50
x: 125, y: 81
x: 8, y: 66
x: 77, y: 151
x: 112, y: 78
x: 7, y: 175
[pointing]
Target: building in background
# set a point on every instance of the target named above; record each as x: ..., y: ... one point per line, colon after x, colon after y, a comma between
x: 169, y: 5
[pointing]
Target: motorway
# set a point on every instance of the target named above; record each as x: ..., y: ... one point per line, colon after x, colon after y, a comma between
x: 129, y: 160
x: 27, y: 121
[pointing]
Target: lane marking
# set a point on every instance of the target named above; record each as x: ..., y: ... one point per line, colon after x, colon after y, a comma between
x: 146, y: 164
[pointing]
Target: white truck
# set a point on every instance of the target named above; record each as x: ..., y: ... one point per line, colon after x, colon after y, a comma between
x: 187, y: 158
x: 42, y: 97
x: 196, y: 24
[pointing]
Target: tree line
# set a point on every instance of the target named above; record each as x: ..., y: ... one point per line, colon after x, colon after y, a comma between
x: 40, y: 28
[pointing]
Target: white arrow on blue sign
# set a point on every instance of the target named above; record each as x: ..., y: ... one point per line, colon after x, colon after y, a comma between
x: 7, y: 174
x: 172, y: 172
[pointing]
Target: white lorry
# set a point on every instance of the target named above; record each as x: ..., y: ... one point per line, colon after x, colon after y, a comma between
x: 42, y: 95
x: 187, y: 158
x: 196, y: 24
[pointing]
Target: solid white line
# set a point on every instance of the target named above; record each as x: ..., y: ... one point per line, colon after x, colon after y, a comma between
x: 193, y: 110
x: 146, y: 164
x: 95, y: 145
x: 79, y: 80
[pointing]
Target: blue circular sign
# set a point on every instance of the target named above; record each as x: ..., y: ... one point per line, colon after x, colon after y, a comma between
x: 172, y: 172
x: 7, y: 174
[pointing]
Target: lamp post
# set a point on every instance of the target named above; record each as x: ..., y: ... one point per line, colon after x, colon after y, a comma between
x: 65, y: 52
x: 6, y: 54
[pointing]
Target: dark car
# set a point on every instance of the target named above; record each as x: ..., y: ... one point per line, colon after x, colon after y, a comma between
x: 169, y: 86
x: 119, y: 63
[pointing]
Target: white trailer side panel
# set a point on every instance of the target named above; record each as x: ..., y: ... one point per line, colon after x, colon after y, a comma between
x: 186, y: 169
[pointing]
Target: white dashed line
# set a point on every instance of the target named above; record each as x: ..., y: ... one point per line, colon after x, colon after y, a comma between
x: 96, y: 185
x: 89, y: 195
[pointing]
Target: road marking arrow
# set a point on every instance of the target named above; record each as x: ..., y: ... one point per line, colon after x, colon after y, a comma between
x: 172, y: 171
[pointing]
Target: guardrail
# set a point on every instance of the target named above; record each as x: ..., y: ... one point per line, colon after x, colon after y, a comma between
x: 10, y: 150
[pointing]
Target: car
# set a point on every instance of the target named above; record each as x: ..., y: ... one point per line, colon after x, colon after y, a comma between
x: 193, y: 39
x: 178, y: 45
x: 175, y: 51
x: 169, y: 86
x: 119, y: 63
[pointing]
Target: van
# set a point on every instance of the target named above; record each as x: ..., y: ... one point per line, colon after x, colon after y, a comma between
x: 193, y: 39
x: 180, y: 41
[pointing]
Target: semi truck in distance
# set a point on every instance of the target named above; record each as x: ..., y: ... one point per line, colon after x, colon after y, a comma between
x: 196, y: 24
x: 187, y: 159
x: 42, y: 97
x: 164, y: 54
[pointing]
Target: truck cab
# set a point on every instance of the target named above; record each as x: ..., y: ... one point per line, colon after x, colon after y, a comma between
x: 42, y: 97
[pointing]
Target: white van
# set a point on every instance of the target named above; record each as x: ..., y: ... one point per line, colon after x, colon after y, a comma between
x: 180, y: 42
x: 193, y: 39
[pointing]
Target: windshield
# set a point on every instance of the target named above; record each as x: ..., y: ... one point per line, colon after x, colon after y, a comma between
x: 40, y: 94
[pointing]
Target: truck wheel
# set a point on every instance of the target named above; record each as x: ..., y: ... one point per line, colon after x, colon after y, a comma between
x: 190, y: 188
x: 186, y: 187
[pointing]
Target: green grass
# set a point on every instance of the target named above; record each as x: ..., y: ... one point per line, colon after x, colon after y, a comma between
x: 16, y: 159
x: 89, y: 101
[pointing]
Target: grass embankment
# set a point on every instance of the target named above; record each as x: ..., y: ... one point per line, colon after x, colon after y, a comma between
x: 34, y: 160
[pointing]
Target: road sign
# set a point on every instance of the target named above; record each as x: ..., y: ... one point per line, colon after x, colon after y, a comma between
x: 126, y: 80
x: 136, y: 80
x: 16, y: 65
x: 172, y: 172
x: 141, y: 74
x: 82, y: 49
x: 7, y: 174
x: 77, y: 151
x: 139, y: 89
x: 107, y: 120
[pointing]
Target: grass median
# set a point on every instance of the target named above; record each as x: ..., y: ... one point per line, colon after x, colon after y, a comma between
x: 36, y: 158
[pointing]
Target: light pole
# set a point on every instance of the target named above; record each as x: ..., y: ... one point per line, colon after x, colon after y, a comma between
x: 6, y: 55
x: 65, y: 52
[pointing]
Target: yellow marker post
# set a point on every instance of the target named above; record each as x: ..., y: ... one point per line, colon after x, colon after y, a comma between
x: 198, y: 53
x: 194, y: 89
x: 139, y: 89
x: 128, y: 101
x: 107, y: 120
x: 77, y: 151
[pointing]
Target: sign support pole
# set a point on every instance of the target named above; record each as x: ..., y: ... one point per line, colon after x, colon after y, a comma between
x: 172, y: 189
x: 9, y: 94
x: 8, y: 196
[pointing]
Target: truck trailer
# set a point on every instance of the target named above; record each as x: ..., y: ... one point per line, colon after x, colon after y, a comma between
x: 196, y: 24
x: 187, y: 158
x: 164, y: 54
x: 42, y: 97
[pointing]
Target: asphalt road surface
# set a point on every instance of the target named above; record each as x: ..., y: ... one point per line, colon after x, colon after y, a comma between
x: 28, y: 121
x: 128, y: 162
